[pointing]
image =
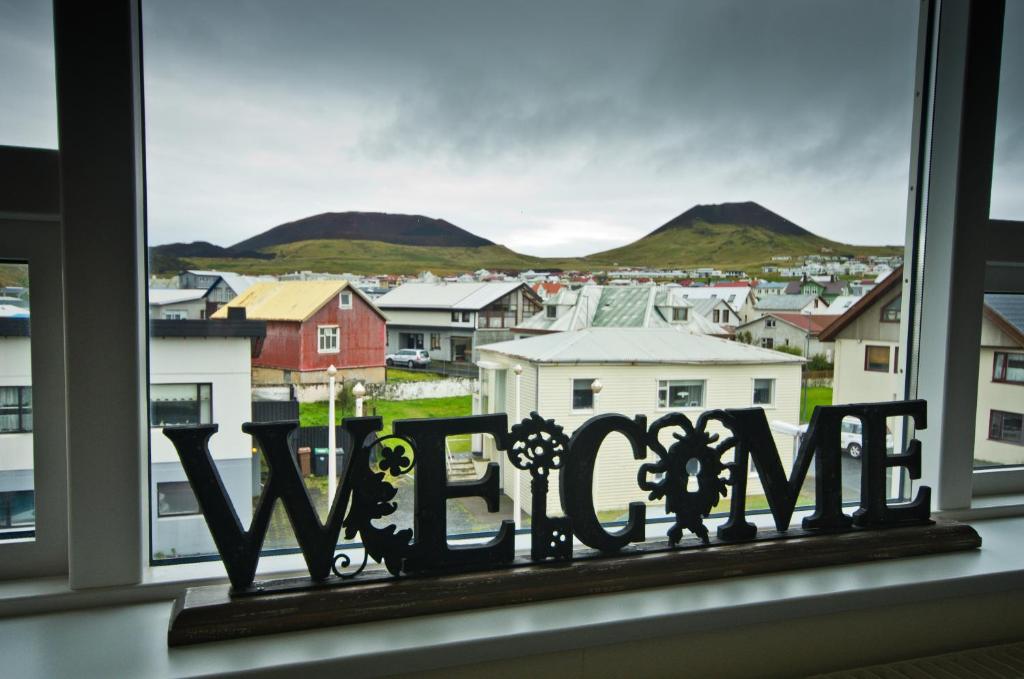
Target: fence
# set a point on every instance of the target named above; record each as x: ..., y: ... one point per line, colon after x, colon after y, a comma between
x: 274, y: 411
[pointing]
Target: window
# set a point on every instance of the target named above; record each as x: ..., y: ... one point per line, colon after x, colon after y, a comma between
x: 328, y: 339
x: 764, y: 391
x: 17, y: 509
x: 175, y: 498
x: 715, y: 315
x: 1006, y: 427
x: 465, y: 317
x: 582, y: 394
x: 15, y: 409
x: 1008, y: 367
x: 455, y: 317
x: 551, y: 311
x: 891, y: 311
x: 679, y: 313
x: 681, y: 393
x: 345, y: 300
x: 767, y: 342
x: 435, y: 341
x: 172, y: 404
x: 769, y: 323
x: 176, y: 314
x: 876, y: 358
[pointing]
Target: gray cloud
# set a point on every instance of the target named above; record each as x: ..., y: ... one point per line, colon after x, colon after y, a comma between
x: 553, y: 127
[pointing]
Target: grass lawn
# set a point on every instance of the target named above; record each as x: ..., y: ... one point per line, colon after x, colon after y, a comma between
x: 814, y: 396
x: 398, y: 375
x: 315, y: 414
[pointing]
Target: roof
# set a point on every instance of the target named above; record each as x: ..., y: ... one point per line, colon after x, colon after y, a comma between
x: 637, y: 346
x: 196, y: 328
x: 623, y: 307
x: 286, y: 300
x: 784, y: 302
x: 163, y: 296
x: 1007, y: 311
x: 813, y: 323
x: 771, y: 285
x: 549, y: 288
x: 464, y: 296
x: 891, y: 281
x: 732, y: 284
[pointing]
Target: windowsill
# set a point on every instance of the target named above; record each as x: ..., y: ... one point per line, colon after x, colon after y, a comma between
x: 417, y: 644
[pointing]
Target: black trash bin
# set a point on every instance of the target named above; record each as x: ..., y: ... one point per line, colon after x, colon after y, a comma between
x: 320, y: 460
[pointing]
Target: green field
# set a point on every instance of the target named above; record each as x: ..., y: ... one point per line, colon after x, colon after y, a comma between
x: 814, y: 396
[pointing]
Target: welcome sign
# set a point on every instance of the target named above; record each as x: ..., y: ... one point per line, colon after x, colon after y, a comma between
x: 695, y: 474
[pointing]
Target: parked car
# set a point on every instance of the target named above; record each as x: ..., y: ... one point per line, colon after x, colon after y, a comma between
x: 853, y: 444
x: 412, y: 358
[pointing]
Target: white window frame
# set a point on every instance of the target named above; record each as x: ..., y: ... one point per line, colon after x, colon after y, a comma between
x: 753, y: 390
x: 667, y: 382
x: 345, y: 294
x: 104, y: 237
x: 328, y: 332
x: 572, y: 392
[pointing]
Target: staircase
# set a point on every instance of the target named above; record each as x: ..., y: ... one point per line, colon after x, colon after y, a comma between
x: 461, y: 468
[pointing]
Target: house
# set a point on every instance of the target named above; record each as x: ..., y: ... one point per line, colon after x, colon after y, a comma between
x: 740, y: 296
x: 628, y: 307
x: 199, y: 374
x: 781, y: 329
x: 221, y: 286
x: 450, y: 320
x: 312, y: 325
x: 828, y: 288
x: 764, y: 288
x: 644, y: 371
x: 797, y: 304
x: 178, y: 303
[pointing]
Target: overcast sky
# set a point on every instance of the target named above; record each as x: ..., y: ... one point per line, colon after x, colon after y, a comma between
x: 553, y: 127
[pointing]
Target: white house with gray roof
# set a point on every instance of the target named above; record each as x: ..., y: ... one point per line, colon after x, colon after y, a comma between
x: 449, y: 320
x: 797, y: 304
x: 643, y: 371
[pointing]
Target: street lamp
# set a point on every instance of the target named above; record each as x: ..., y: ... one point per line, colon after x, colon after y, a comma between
x: 516, y: 501
x: 332, y: 462
x: 596, y: 388
x: 359, y: 391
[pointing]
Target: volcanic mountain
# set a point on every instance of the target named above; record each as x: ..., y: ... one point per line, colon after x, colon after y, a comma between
x: 725, y: 235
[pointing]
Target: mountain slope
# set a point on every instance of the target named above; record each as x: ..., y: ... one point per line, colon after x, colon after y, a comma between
x: 733, y: 235
x: 365, y: 226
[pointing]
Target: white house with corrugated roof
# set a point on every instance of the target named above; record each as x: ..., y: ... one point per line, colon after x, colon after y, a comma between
x: 450, y: 320
x: 642, y: 371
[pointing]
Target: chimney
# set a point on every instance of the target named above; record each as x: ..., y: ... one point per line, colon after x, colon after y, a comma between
x: 236, y: 313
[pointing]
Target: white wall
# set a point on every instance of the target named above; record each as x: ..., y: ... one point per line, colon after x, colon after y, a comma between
x: 853, y: 384
x: 15, y: 371
x: 633, y: 390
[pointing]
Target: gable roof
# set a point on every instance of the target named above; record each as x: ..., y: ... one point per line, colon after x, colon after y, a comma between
x: 637, y: 345
x: 1007, y: 312
x: 884, y: 287
x: 462, y: 296
x: 288, y: 300
x: 812, y: 323
x: 162, y: 296
x: 784, y: 302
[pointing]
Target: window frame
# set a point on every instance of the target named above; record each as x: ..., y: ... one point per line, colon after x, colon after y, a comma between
x: 335, y: 334
x: 175, y: 515
x: 198, y: 401
x: 342, y: 296
x: 100, y: 52
x: 1006, y: 366
x: 572, y: 395
x: 867, y: 358
x: 1002, y: 415
x: 895, y: 304
x: 668, y: 385
x: 771, y: 400
x: 20, y: 405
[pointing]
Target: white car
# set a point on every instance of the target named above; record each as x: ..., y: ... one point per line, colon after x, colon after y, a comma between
x: 411, y: 358
x: 853, y: 444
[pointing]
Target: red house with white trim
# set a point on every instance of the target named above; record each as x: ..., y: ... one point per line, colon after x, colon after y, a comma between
x: 312, y: 325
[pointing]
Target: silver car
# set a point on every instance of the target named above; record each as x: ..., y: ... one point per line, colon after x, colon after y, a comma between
x: 411, y: 358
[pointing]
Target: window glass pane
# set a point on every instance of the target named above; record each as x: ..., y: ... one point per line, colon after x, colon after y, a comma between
x: 582, y: 394
x: 175, y: 498
x: 997, y: 440
x: 763, y: 391
x: 876, y: 358
x: 28, y: 116
x: 1008, y: 164
x: 580, y: 167
x: 17, y: 484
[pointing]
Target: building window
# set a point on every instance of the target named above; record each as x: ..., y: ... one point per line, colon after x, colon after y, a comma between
x: 679, y: 313
x: 551, y: 311
x: 1006, y: 427
x: 345, y: 300
x: 582, y: 394
x: 1008, y: 368
x: 175, y: 498
x: 171, y: 404
x: 175, y: 314
x: 891, y: 311
x: 17, y: 508
x: 876, y: 359
x: 328, y: 339
x: 455, y: 317
x: 15, y: 409
x: 767, y: 342
x: 681, y: 393
x: 410, y: 340
x: 769, y: 322
x: 435, y: 341
x: 764, y: 392
x: 465, y: 317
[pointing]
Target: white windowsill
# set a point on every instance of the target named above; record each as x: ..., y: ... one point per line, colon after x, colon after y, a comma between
x: 436, y: 641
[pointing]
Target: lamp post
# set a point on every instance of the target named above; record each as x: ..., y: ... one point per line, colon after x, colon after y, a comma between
x: 516, y: 501
x: 359, y: 391
x: 596, y: 387
x: 332, y: 462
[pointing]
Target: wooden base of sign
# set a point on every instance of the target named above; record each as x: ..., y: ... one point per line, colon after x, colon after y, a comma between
x: 213, y: 613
